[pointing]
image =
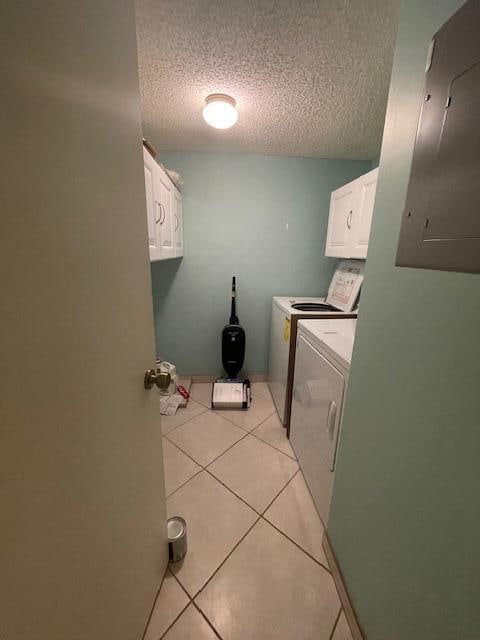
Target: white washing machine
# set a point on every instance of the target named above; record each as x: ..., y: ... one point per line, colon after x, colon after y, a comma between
x: 287, y: 311
x: 322, y: 364
x: 283, y: 336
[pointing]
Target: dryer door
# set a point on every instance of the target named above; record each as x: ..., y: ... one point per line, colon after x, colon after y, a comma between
x: 318, y: 397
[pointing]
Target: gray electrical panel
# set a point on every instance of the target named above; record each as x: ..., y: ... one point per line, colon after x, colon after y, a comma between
x: 441, y: 223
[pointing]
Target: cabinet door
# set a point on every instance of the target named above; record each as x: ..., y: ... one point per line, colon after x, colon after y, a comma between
x: 166, y: 224
x: 362, y: 213
x: 340, y: 221
x: 178, y: 221
x: 153, y: 206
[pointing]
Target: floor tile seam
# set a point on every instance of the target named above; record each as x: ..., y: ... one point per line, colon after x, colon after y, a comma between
x: 217, y: 412
x: 184, y: 452
x: 296, y: 544
x: 193, y: 601
x: 186, y: 421
x: 181, y: 585
x: 228, y: 449
x: 212, y: 475
x: 281, y: 491
x: 155, y: 602
x: 184, y: 483
x: 255, y: 395
x: 206, y: 407
x: 271, y: 445
x: 330, y: 637
x: 200, y: 401
x: 226, y: 558
x: 240, y: 427
x: 244, y: 435
x: 184, y: 608
x: 260, y: 513
x: 176, y: 619
x: 202, y: 467
x: 204, y: 616
x: 233, y: 492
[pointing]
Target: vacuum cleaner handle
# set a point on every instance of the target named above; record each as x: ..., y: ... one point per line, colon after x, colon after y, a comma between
x: 233, y: 312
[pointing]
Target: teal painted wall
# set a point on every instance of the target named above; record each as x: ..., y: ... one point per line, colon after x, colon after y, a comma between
x: 236, y: 209
x: 405, y: 518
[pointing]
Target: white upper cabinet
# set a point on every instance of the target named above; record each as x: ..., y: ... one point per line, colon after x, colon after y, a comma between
x: 340, y: 221
x: 164, y: 212
x: 362, y: 216
x: 350, y: 218
x: 153, y: 205
x: 166, y: 225
x: 178, y: 221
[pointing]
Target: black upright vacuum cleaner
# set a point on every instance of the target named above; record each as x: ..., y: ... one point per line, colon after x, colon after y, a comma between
x: 232, y: 392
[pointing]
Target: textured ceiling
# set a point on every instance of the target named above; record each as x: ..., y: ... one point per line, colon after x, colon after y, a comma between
x: 310, y: 77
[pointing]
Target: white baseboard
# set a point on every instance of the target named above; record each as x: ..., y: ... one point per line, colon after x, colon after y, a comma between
x: 350, y: 615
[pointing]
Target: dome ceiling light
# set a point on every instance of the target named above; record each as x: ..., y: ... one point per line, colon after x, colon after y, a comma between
x: 220, y: 111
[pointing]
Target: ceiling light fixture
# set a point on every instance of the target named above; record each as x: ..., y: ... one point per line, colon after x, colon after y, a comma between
x: 220, y: 111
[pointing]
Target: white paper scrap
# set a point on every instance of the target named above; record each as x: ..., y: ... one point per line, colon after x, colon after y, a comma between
x: 169, y: 404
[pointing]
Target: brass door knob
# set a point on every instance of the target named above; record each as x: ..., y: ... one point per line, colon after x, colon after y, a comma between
x: 157, y: 377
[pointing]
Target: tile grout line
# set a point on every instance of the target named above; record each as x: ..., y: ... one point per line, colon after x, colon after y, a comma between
x: 252, y: 433
x: 230, y: 447
x: 154, y: 603
x: 243, y: 538
x: 204, y: 467
x: 281, y: 491
x: 227, y: 556
x: 239, y: 541
x: 178, y: 616
x: 206, y: 619
x: 217, y: 412
x: 257, y: 513
x: 181, y: 585
x: 190, y: 602
x: 330, y: 637
x: 187, y: 420
x: 260, y: 517
x: 184, y: 483
x: 261, y: 514
x: 184, y: 452
x: 233, y: 493
x: 296, y: 544
x: 237, y: 425
x: 175, y: 621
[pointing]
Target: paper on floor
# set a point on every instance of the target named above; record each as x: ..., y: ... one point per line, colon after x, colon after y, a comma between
x: 169, y: 404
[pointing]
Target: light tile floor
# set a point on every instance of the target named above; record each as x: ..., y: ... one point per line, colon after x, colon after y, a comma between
x: 255, y: 567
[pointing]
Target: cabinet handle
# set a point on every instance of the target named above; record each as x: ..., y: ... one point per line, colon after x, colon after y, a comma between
x: 157, y: 204
x: 177, y: 222
x: 161, y: 220
x: 332, y: 414
x: 349, y: 219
